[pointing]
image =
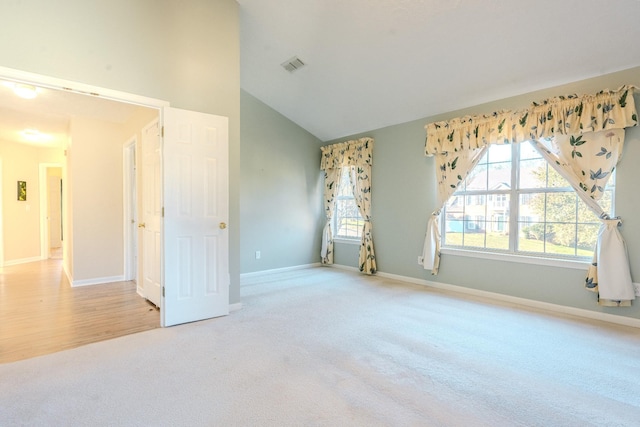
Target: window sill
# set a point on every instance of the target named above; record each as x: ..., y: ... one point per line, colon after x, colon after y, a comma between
x: 355, y: 241
x: 524, y: 259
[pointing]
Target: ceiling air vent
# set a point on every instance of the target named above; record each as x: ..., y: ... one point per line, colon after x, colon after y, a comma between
x: 292, y: 64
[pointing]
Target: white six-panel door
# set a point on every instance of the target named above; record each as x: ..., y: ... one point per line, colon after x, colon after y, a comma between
x: 196, y: 211
x: 150, y: 269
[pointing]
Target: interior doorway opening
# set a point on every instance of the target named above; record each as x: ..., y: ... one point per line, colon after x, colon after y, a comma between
x: 58, y: 190
x: 51, y: 211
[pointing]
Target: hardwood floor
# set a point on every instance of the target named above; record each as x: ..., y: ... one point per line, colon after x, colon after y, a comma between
x: 40, y: 313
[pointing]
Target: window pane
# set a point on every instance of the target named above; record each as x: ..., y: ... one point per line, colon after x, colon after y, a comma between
x: 561, y: 207
x: 607, y: 201
x: 345, y: 184
x: 498, y: 240
x: 585, y: 215
x: 454, y: 225
x: 477, y: 179
x: 455, y: 203
x: 528, y: 152
x: 474, y: 238
x: 499, y: 176
x: 499, y: 153
x: 560, y: 238
x: 498, y: 221
x: 587, y: 237
x: 348, y: 222
x: 533, y: 174
x: 554, y: 179
x: 531, y: 237
x: 531, y: 208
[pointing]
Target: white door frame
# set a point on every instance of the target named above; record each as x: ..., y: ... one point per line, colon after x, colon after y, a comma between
x: 44, y: 197
x: 130, y: 205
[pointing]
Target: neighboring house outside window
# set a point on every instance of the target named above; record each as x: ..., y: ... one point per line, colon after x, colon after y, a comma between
x: 513, y: 202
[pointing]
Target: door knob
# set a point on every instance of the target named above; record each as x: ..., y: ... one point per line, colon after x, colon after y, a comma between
x: 142, y: 225
x: 222, y: 225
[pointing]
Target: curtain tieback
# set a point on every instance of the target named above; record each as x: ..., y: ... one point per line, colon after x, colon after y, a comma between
x: 614, y: 222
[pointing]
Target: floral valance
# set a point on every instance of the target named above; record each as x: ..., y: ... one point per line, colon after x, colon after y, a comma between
x: 350, y: 153
x: 569, y: 115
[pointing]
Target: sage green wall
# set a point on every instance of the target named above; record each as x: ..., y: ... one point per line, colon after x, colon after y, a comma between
x: 187, y: 53
x: 404, y: 195
x: 281, y: 190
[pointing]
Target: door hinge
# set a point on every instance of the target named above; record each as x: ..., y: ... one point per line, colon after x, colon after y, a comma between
x: 163, y: 212
x: 163, y: 291
x: 162, y: 131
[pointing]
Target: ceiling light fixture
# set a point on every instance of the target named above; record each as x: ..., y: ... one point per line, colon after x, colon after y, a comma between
x: 34, y: 135
x: 23, y: 90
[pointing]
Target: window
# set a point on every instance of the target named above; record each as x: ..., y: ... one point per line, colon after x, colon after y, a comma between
x: 348, y: 222
x: 513, y: 202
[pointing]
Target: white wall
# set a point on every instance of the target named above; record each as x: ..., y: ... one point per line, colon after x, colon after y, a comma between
x: 96, y: 201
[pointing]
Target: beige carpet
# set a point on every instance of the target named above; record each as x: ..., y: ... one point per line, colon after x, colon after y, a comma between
x: 324, y: 347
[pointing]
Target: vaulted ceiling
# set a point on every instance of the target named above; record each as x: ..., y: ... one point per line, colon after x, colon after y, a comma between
x: 374, y: 63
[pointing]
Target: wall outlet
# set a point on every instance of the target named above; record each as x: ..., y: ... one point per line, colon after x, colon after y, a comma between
x: 420, y: 260
x: 257, y: 254
x: 637, y: 288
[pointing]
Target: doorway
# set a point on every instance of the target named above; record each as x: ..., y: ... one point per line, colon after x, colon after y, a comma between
x: 196, y: 280
x: 51, y: 230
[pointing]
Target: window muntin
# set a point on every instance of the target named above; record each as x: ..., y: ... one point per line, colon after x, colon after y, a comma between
x: 513, y: 188
x: 347, y: 220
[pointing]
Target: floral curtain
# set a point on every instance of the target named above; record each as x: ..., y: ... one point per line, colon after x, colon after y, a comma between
x: 361, y: 185
x: 587, y: 161
x: 566, y: 115
x: 570, y: 116
x: 452, y: 169
x: 355, y: 154
x: 331, y: 183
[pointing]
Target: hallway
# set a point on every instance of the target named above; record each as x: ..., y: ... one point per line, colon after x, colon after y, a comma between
x: 41, y: 314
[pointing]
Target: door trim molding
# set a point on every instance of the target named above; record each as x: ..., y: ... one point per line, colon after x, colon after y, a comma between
x: 80, y: 88
x: 130, y: 211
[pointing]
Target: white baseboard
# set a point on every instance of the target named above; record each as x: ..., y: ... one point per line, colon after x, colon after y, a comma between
x: 580, y: 312
x: 278, y: 270
x: 97, y: 281
x: 235, y: 307
x: 22, y: 261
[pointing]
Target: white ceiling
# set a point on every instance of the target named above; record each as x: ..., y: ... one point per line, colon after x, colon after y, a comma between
x: 374, y: 63
x: 51, y: 111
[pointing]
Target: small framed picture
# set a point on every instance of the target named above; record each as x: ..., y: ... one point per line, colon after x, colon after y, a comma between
x: 22, y: 191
